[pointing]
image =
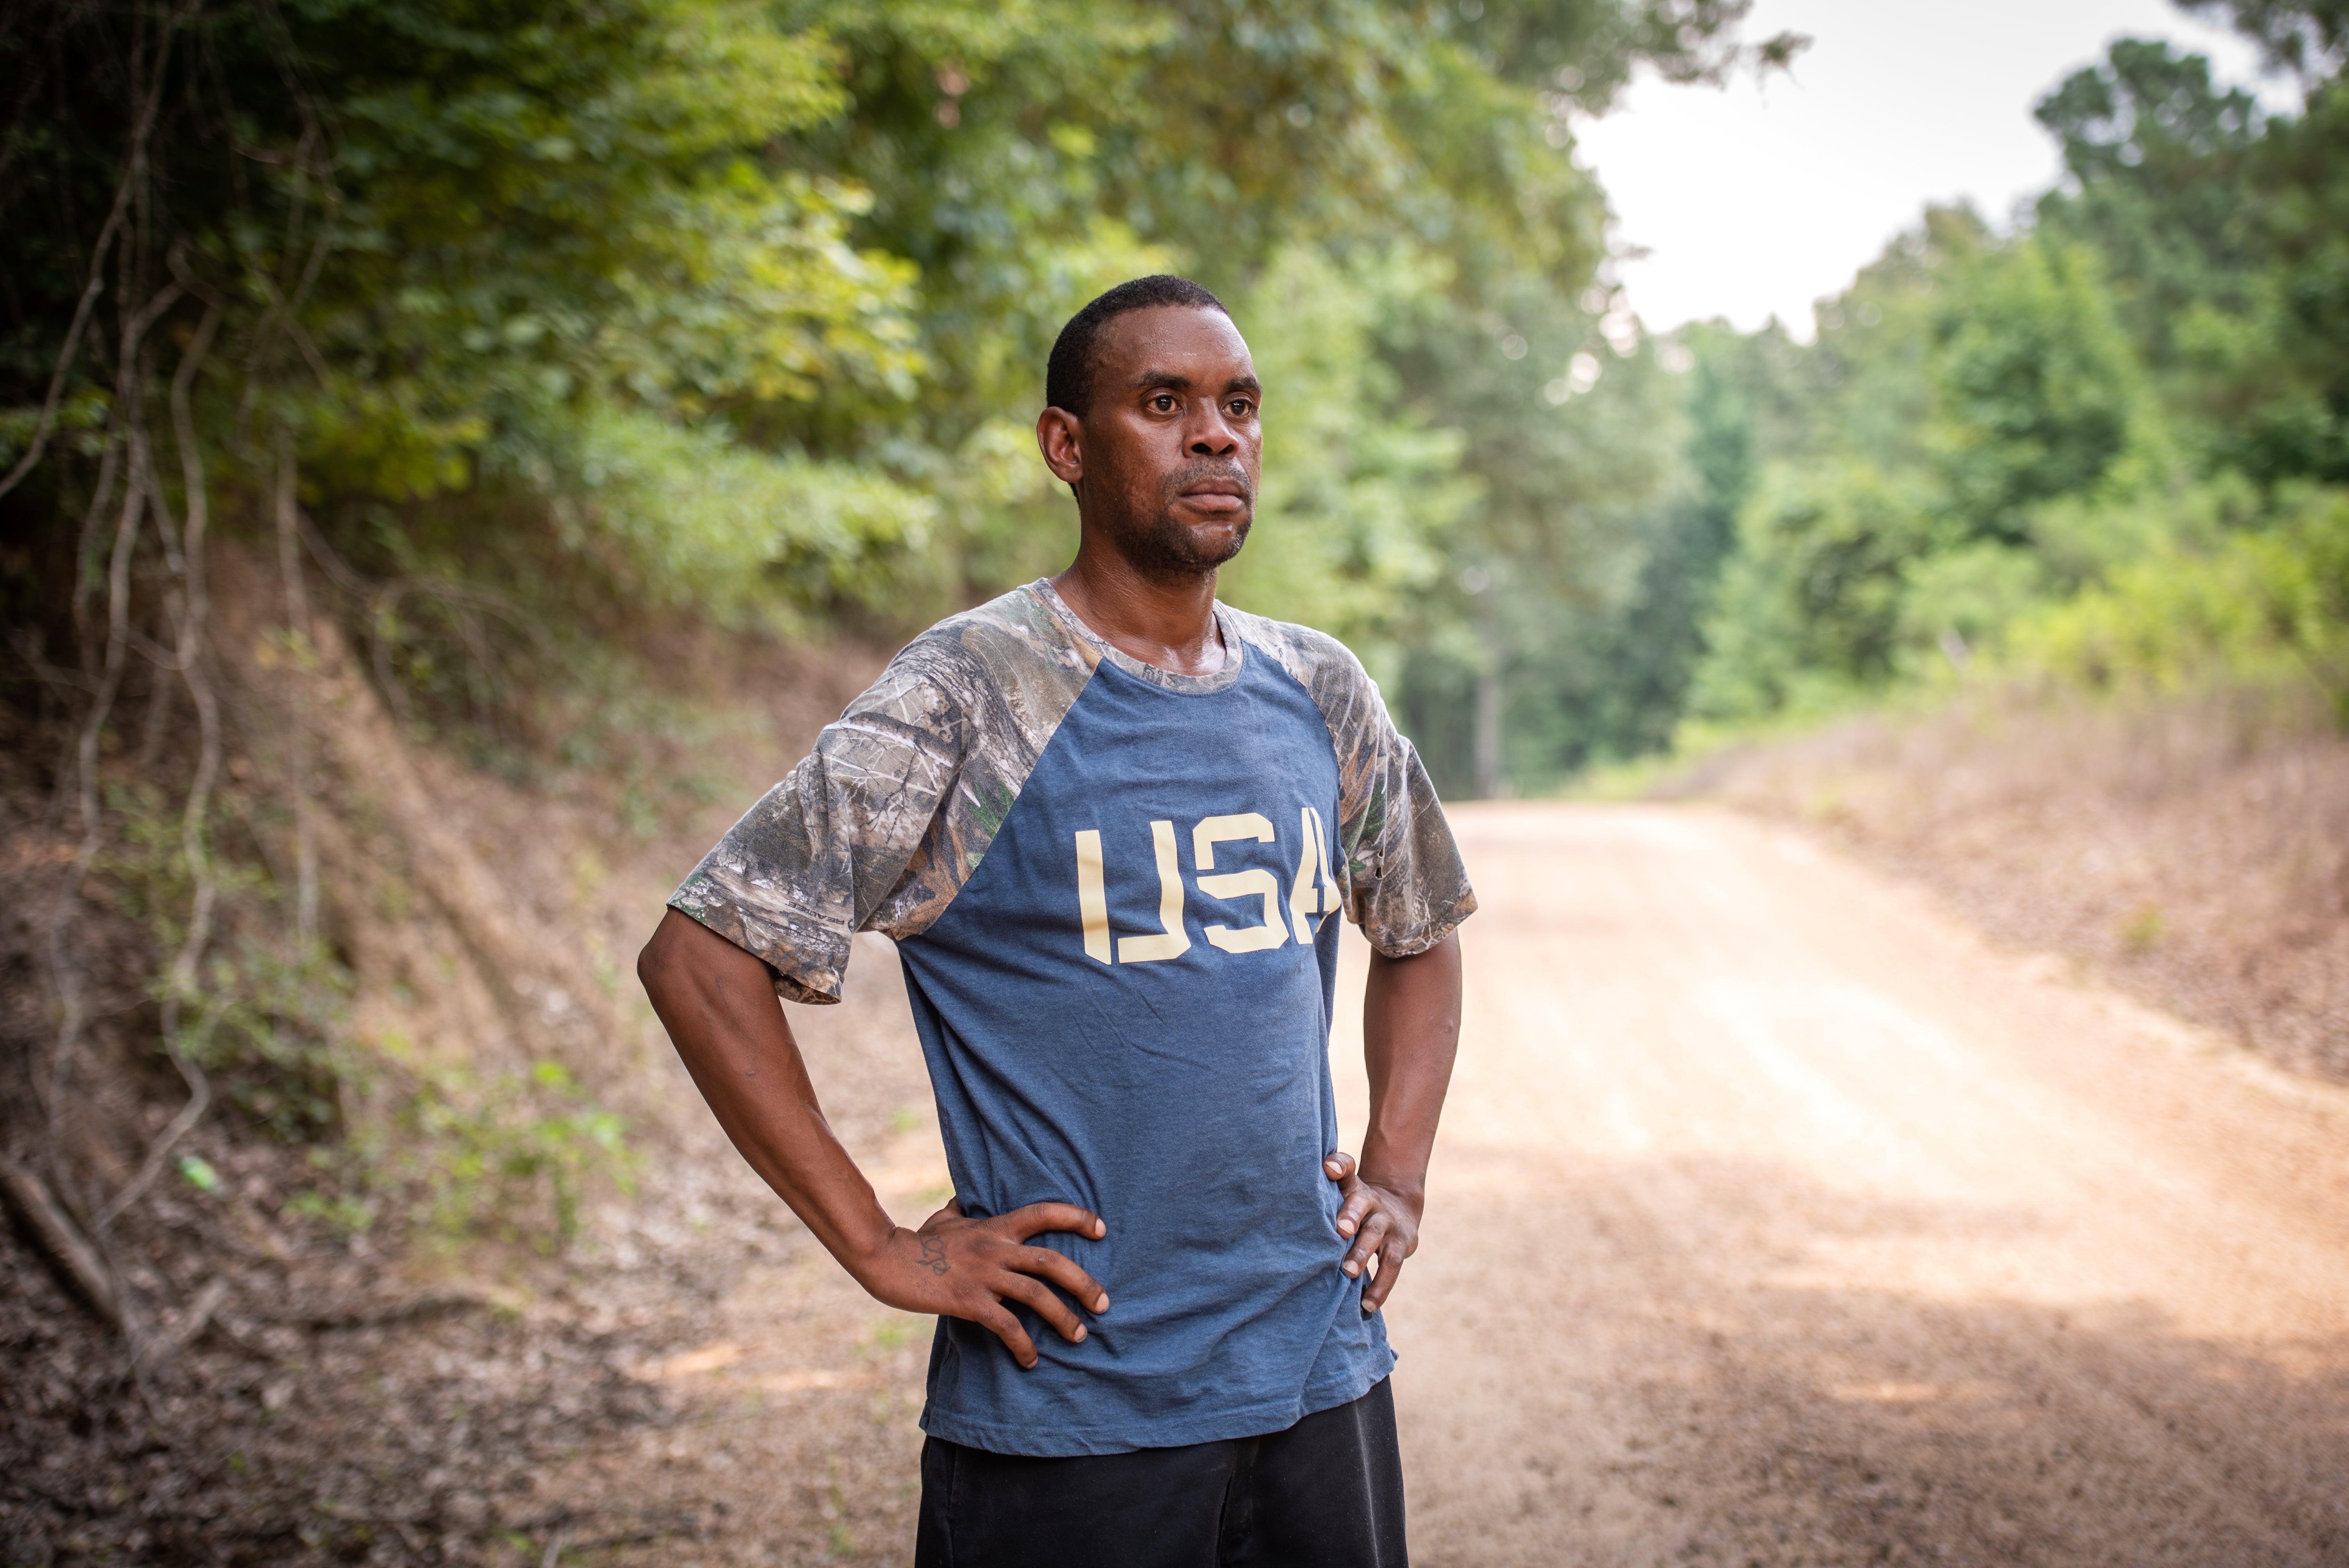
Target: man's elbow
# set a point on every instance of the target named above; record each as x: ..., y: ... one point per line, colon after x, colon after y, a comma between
x: 657, y: 962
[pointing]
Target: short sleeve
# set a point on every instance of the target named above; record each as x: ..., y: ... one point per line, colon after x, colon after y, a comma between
x: 807, y: 867
x: 1405, y: 885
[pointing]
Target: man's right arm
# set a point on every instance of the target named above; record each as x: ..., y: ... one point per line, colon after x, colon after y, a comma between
x: 717, y: 1003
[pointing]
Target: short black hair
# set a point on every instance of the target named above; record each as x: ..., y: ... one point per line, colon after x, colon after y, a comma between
x: 1068, y: 373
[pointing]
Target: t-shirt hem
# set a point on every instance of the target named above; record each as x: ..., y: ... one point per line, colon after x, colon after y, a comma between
x: 790, y: 986
x: 1246, y: 1422
x: 1423, y: 937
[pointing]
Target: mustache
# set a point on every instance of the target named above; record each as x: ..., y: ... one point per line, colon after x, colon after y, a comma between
x: 1199, y: 468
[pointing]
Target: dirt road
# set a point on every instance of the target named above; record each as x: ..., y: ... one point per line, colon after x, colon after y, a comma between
x: 1776, y: 1221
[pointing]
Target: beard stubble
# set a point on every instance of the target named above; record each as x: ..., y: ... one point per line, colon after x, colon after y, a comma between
x: 1161, y: 547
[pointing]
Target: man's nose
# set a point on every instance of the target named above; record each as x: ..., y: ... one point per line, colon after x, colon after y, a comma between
x: 1212, y: 435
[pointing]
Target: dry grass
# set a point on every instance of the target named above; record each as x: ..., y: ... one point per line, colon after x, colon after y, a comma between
x: 2192, y: 851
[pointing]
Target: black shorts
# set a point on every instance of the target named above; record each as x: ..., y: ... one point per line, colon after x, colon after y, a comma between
x: 1325, y: 1494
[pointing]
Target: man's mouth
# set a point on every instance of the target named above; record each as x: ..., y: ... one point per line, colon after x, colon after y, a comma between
x: 1211, y: 489
x: 1218, y: 495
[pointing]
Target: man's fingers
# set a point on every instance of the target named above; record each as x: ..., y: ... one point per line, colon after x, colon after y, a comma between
x: 1375, y: 1293
x: 1064, y: 1273
x: 1358, y: 1203
x: 997, y: 1320
x: 1375, y: 1231
x: 1337, y: 1166
x: 1039, y: 1299
x: 1022, y: 1223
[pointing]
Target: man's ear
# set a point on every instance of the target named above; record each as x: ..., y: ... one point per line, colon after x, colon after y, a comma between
x: 1057, y: 437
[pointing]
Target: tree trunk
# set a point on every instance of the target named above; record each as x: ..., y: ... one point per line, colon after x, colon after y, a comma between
x: 1491, y: 785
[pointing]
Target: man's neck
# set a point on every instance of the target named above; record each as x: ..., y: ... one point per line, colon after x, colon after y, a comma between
x: 1171, y: 624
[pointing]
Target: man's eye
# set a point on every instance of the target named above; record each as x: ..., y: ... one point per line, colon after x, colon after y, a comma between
x: 1163, y: 403
x: 1241, y: 408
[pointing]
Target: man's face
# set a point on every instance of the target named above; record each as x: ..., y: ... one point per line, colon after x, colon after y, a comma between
x: 1169, y: 454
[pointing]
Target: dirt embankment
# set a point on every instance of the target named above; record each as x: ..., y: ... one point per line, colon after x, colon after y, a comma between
x: 302, y: 1389
x: 2194, y: 854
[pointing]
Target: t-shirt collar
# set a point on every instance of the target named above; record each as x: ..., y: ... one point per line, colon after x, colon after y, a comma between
x: 1168, y: 679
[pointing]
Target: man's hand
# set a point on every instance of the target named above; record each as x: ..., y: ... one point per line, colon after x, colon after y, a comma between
x: 1410, y: 1029
x: 1383, y: 1220
x: 720, y: 1007
x: 956, y: 1267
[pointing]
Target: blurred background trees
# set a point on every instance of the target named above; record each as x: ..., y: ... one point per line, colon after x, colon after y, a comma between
x: 547, y: 316
x: 491, y: 352
x: 2009, y: 444
x: 541, y: 319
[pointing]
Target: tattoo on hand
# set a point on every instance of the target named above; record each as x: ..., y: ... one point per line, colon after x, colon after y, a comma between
x: 934, y: 1255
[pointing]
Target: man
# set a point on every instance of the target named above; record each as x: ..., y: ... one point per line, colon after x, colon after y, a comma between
x: 1106, y: 819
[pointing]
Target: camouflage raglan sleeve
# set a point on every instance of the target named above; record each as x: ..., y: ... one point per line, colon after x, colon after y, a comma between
x: 890, y: 815
x: 1405, y: 885
x: 807, y: 867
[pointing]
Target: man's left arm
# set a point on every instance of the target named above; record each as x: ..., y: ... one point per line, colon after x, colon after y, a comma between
x: 1410, y: 1031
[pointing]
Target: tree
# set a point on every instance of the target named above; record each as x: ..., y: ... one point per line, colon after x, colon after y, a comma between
x: 1614, y: 685
x: 2035, y: 389
x: 2310, y: 37
x: 1571, y: 427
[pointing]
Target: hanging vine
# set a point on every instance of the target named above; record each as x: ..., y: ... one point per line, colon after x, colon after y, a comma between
x: 171, y: 283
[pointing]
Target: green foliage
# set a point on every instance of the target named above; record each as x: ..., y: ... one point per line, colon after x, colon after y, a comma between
x: 2142, y: 932
x: 739, y: 310
x: 2265, y: 602
x: 2083, y: 448
x: 1812, y: 605
x: 1409, y: 165
x: 2035, y: 388
x: 2082, y: 540
x: 1970, y: 387
x: 510, y: 1155
x: 338, y: 1212
x: 536, y: 207
x: 2222, y: 231
x: 1957, y: 600
x: 1614, y: 683
x: 1572, y: 423
x: 1360, y: 493
x: 698, y: 520
x: 263, y: 1017
x: 736, y: 310
x: 2156, y: 155
x: 2310, y: 36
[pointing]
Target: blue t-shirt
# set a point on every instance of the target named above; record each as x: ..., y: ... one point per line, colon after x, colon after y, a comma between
x: 1114, y: 923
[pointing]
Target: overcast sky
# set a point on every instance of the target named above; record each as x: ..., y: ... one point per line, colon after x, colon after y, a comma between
x: 1757, y: 199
